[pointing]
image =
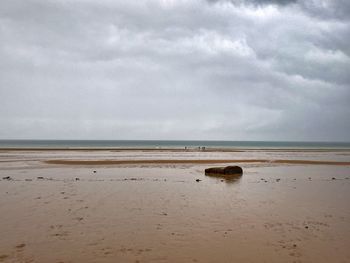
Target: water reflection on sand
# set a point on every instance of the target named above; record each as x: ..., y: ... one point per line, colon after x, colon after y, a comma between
x: 161, y: 212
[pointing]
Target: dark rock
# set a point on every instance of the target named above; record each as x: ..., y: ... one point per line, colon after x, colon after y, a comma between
x: 94, y: 172
x: 77, y: 179
x: 6, y: 178
x: 40, y: 177
x: 198, y: 180
x: 333, y: 178
x: 224, y: 171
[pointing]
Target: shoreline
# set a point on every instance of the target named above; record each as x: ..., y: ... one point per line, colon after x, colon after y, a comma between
x: 175, y: 149
x: 201, y: 161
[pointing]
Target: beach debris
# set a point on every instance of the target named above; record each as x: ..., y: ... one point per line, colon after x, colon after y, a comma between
x: 7, y: 178
x: 133, y: 179
x: 21, y: 246
x: 198, y: 180
x: 40, y: 177
x: 224, y: 171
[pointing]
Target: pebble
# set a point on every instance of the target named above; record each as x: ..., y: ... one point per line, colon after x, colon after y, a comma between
x: 40, y: 177
x: 198, y: 180
x: 6, y: 178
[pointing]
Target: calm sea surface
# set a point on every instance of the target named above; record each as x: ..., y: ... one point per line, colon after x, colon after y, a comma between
x: 164, y: 144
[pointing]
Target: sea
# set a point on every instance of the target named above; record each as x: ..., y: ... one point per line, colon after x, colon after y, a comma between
x: 156, y: 144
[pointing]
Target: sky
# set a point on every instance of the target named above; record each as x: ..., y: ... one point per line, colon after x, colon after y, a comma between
x: 175, y: 69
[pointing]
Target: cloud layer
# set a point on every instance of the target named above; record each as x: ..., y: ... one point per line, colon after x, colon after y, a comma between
x: 167, y: 69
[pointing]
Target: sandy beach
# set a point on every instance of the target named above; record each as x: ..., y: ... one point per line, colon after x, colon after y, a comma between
x: 142, y: 205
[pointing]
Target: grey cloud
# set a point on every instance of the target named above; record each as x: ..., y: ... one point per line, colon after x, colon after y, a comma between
x: 328, y: 9
x: 257, y: 2
x: 172, y: 70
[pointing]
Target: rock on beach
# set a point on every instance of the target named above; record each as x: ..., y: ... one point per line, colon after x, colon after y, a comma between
x: 224, y: 171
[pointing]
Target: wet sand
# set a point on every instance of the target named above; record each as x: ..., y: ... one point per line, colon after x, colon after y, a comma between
x: 170, y: 161
x: 130, y: 210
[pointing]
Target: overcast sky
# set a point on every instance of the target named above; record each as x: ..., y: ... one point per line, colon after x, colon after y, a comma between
x: 175, y: 69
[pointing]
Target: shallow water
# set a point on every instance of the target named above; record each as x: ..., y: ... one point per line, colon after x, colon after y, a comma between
x: 166, y: 143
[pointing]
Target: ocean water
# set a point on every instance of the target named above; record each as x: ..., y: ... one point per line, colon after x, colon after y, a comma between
x: 165, y: 144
